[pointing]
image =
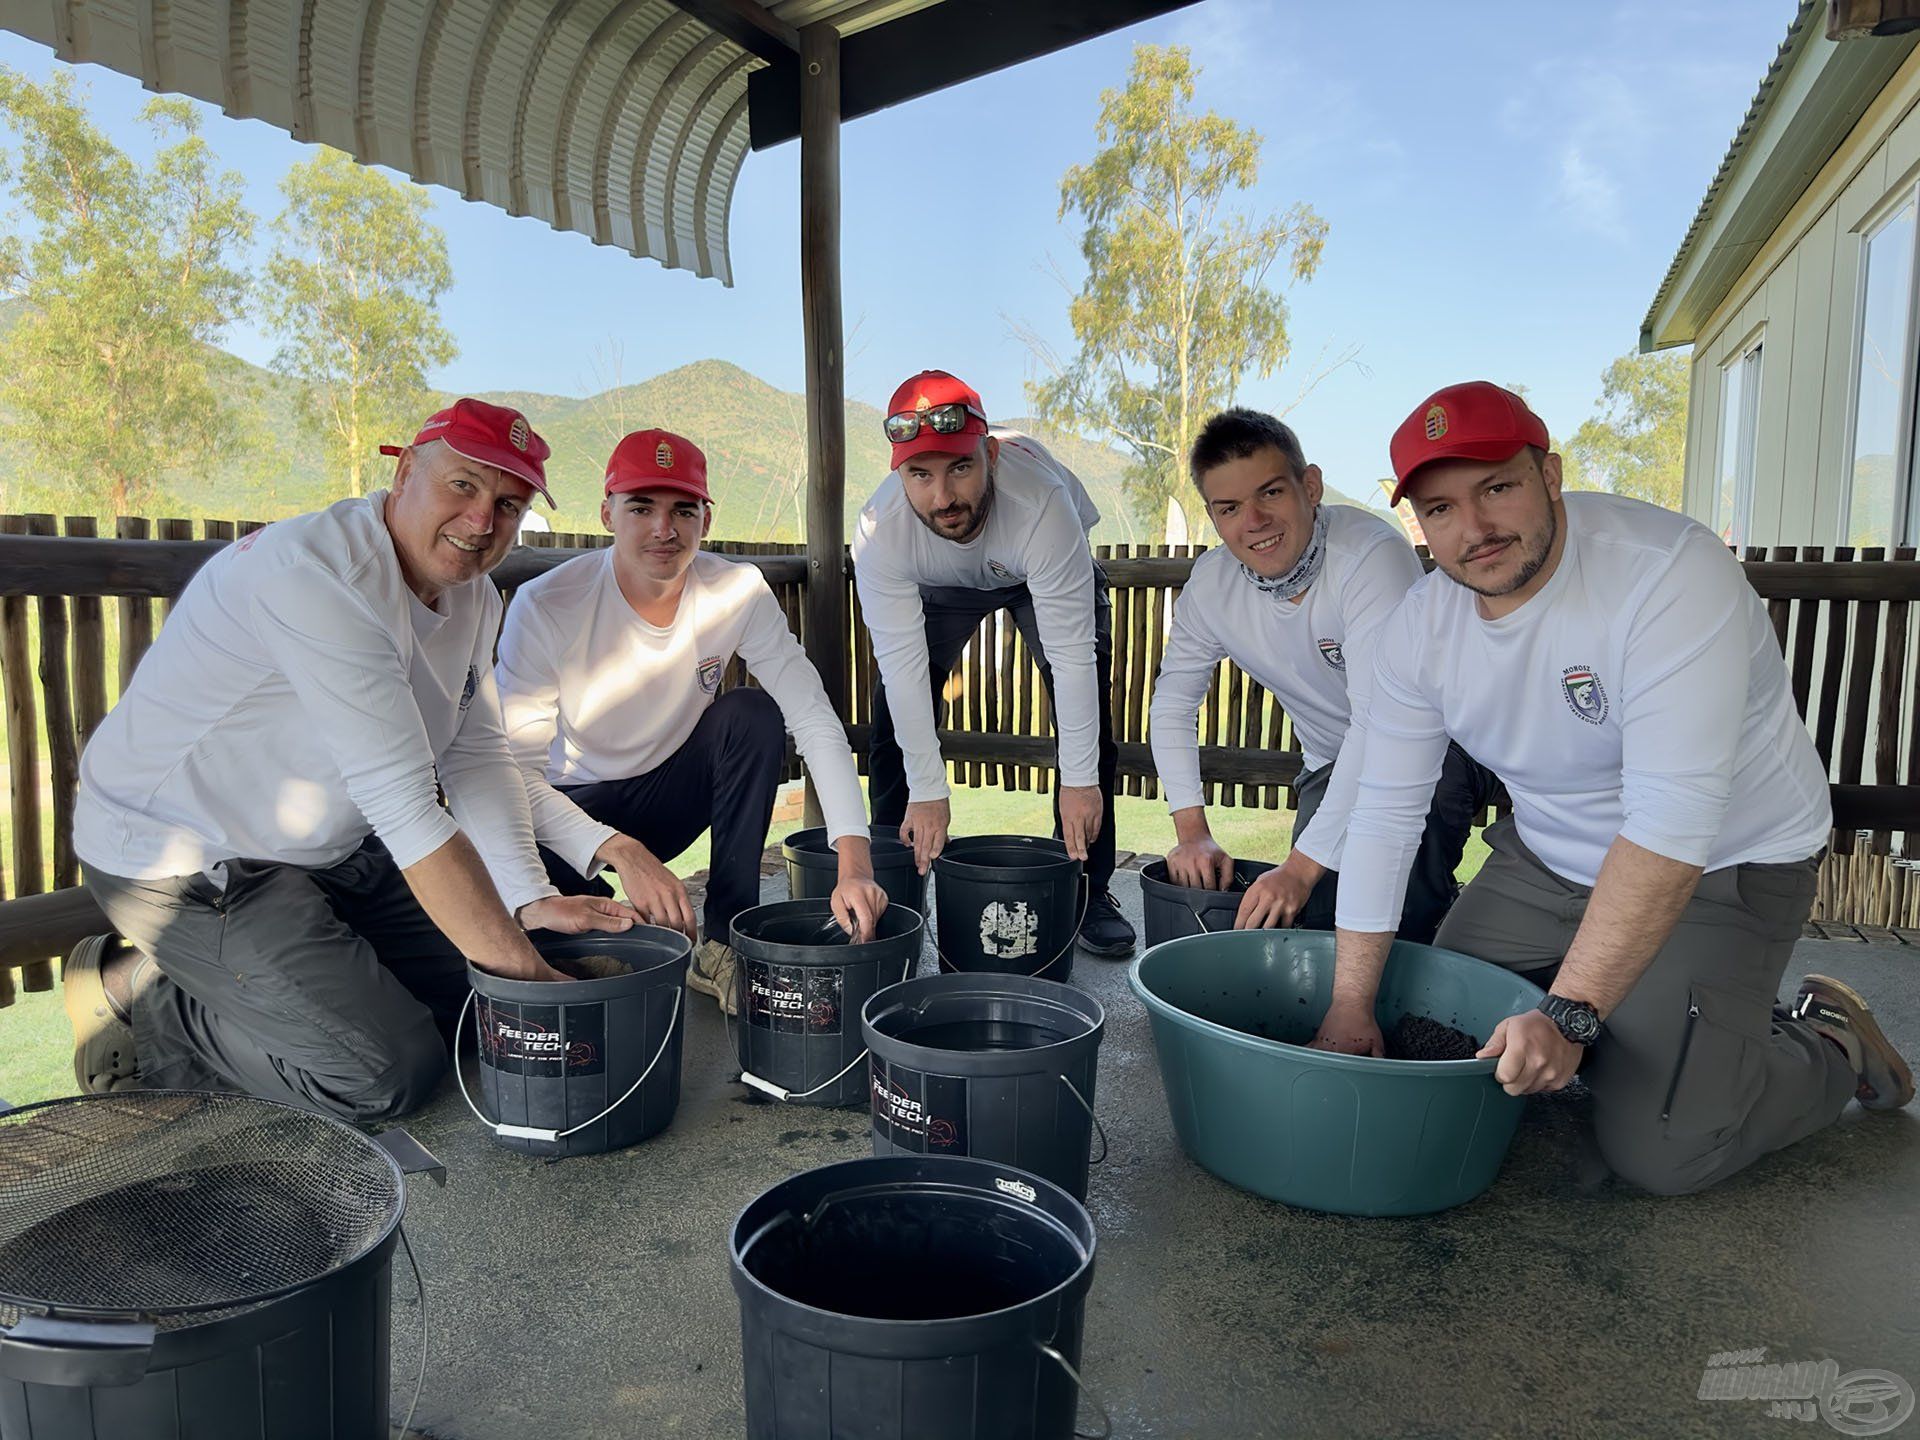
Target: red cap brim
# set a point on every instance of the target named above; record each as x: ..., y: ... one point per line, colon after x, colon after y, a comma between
x: 654, y: 482
x: 501, y: 458
x: 1496, y: 451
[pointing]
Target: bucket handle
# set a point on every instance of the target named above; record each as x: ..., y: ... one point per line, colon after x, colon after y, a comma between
x: 1073, y: 936
x: 1101, y: 1157
x: 535, y: 1132
x: 1106, y: 1421
x: 767, y: 1087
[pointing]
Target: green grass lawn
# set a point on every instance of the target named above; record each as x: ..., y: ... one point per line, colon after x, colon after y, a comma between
x: 36, y: 1047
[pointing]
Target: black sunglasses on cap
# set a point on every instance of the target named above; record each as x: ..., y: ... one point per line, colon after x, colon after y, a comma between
x: 941, y: 419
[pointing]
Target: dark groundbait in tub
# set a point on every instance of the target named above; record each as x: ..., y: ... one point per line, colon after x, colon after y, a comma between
x: 1411, y: 1037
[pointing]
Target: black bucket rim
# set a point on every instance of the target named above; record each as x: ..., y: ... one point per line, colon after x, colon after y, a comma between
x: 936, y: 1060
x: 1158, y: 884
x: 837, y: 1330
x: 812, y: 844
x: 582, y: 992
x: 946, y: 862
x: 847, y: 954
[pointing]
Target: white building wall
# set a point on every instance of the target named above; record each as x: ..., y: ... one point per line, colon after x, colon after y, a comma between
x: 1801, y: 298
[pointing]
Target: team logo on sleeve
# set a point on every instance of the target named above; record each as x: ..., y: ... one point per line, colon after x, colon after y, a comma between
x: 1331, y: 652
x: 710, y: 669
x: 1584, y: 695
x: 466, y: 691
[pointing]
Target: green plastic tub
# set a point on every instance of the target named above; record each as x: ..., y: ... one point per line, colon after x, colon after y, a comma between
x: 1351, y: 1134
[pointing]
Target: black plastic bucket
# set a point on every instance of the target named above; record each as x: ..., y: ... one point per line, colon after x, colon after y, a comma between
x: 912, y: 1298
x: 813, y: 867
x: 577, y: 1067
x: 998, y: 1067
x: 798, y: 1035
x: 1008, y: 905
x: 1175, y: 910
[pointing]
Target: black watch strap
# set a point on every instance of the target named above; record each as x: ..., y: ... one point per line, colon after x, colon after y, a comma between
x: 1576, y: 1019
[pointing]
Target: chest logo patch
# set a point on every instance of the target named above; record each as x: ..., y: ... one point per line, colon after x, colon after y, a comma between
x: 1331, y: 652
x: 466, y: 691
x: 1585, y: 697
x: 1000, y: 571
x: 710, y: 669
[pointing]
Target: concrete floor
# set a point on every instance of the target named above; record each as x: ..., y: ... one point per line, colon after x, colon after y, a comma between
x: 591, y: 1298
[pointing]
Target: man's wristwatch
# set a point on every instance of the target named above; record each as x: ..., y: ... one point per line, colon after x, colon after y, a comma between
x: 1576, y: 1019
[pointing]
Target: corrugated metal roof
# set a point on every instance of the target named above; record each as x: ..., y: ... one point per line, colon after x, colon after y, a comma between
x: 1814, y: 93
x: 1768, y: 84
x: 624, y: 120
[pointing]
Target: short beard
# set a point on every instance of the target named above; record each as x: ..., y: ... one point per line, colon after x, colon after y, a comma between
x: 980, y: 514
x: 1529, y: 567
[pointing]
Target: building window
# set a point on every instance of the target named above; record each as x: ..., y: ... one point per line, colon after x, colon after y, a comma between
x: 1739, y: 420
x: 1878, y: 493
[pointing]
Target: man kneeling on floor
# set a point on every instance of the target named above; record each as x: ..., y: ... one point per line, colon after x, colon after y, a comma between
x: 1295, y: 596
x: 1610, y: 662
x: 259, y: 815
x: 609, y: 673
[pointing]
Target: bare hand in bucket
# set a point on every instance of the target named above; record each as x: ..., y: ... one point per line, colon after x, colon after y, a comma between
x: 1350, y: 1029
x: 858, y: 902
x: 576, y: 914
x: 1079, y: 818
x: 925, y: 829
x: 1200, y: 864
x: 657, y: 895
x: 1534, y: 1055
x: 1272, y: 901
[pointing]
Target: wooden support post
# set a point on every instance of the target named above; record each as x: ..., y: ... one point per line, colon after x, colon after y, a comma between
x: 826, y: 628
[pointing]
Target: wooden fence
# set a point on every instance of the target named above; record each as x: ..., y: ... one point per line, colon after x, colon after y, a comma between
x: 76, y: 616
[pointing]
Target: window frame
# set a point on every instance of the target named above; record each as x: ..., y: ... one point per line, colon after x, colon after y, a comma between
x: 1906, y: 499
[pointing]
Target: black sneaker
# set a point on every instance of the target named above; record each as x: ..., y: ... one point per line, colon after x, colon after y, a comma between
x: 1105, y: 932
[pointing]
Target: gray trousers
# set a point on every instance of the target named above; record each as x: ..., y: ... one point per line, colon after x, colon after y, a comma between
x: 1697, y: 1074
x: 328, y: 988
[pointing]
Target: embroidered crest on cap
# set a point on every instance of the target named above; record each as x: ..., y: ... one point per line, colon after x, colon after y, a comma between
x: 1584, y: 695
x: 663, y: 455
x: 517, y: 432
x: 1436, y: 422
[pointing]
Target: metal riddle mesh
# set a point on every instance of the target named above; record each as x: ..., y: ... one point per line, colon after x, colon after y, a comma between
x: 163, y: 1203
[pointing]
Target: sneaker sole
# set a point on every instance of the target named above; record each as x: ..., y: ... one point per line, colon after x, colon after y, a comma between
x: 103, y: 1055
x: 723, y: 998
x: 1873, y: 1039
x: 1109, y: 952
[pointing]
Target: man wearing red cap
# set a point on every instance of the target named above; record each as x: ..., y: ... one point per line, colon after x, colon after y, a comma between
x: 259, y: 816
x: 967, y: 524
x: 609, y: 674
x: 1610, y: 662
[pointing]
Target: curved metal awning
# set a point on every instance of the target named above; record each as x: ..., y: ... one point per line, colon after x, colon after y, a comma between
x: 624, y: 120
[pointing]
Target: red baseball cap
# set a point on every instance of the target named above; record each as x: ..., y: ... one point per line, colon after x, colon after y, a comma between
x: 486, y: 434
x: 920, y: 394
x: 1475, y: 421
x: 658, y: 460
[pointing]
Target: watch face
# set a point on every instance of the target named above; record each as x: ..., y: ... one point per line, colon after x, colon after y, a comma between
x: 1583, y: 1023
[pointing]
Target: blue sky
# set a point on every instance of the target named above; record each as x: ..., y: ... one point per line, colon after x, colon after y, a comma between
x: 1505, y: 183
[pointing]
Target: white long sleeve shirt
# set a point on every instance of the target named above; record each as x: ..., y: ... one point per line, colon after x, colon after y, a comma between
x: 1314, y: 655
x: 1035, y: 535
x: 592, y: 692
x: 298, y: 697
x: 1641, y: 693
